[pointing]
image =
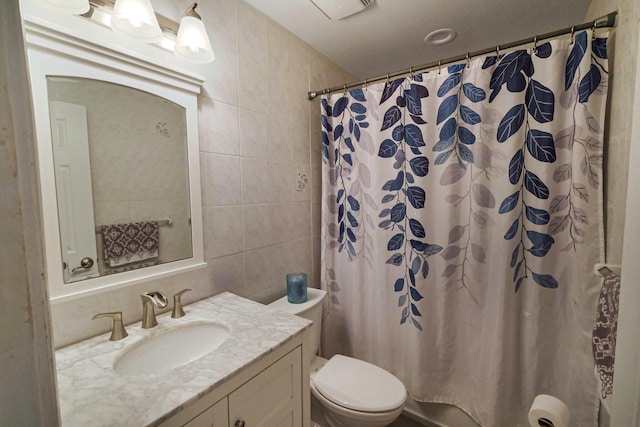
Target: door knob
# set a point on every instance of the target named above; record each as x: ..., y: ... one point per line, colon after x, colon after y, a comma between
x: 239, y: 423
x: 85, y: 263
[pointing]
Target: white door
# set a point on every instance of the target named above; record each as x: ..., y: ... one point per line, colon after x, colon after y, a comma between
x: 70, y: 140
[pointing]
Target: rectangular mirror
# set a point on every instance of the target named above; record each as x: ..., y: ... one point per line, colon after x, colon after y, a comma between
x: 122, y: 177
x: 118, y: 160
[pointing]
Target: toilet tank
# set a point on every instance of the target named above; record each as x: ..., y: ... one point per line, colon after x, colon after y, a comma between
x: 311, y: 309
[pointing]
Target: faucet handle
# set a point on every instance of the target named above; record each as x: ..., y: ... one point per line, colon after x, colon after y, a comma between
x: 118, y: 331
x: 177, y: 304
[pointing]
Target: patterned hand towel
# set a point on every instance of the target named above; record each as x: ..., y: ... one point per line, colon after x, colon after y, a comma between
x: 604, y: 332
x: 128, y: 243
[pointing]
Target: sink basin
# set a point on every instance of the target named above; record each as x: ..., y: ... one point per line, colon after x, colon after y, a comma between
x: 172, y: 349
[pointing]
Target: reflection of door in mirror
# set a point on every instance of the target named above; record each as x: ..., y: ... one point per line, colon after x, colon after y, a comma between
x: 73, y: 183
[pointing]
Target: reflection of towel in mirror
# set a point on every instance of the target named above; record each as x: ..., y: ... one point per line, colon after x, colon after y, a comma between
x: 604, y: 332
x: 128, y: 243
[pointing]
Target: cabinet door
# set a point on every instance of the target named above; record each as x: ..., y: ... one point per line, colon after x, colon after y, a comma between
x: 272, y: 398
x: 215, y: 416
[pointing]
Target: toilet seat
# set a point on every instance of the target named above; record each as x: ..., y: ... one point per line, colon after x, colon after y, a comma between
x: 358, y: 385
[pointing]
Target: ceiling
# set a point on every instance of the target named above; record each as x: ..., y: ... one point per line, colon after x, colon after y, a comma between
x: 389, y: 35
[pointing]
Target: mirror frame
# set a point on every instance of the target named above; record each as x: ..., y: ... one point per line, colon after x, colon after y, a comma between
x: 52, y: 52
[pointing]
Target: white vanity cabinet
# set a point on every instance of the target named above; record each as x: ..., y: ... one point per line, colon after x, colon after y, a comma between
x: 272, y: 397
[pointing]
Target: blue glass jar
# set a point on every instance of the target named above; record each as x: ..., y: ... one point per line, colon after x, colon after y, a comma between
x: 297, y: 288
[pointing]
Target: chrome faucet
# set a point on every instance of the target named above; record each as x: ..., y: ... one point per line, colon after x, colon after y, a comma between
x: 149, y: 300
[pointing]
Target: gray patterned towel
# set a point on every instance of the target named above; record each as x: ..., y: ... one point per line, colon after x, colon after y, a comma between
x: 604, y: 332
x: 128, y: 243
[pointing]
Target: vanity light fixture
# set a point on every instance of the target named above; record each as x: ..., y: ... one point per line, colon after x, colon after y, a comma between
x: 192, y: 41
x: 136, y: 19
x: 73, y: 7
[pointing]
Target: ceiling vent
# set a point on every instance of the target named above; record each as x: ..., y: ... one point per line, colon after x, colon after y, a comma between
x: 339, y: 9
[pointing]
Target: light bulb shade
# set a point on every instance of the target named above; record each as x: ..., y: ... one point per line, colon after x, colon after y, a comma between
x: 136, y: 19
x: 73, y: 7
x: 192, y: 42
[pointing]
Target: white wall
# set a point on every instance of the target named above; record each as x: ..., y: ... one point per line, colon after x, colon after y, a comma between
x: 621, y: 201
x: 626, y: 391
x: 623, y: 44
x: 27, y: 393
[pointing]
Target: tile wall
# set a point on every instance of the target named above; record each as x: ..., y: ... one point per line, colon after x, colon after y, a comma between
x: 260, y: 152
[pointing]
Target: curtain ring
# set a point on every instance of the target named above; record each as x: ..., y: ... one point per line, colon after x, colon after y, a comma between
x: 468, y: 60
x: 593, y: 30
x: 573, y: 32
x: 410, y: 71
x: 535, y: 44
x: 498, y: 51
x: 366, y: 85
x: 387, y: 78
x: 439, y: 66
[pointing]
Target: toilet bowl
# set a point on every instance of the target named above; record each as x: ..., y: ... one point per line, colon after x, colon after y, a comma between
x: 356, y: 393
x: 352, y: 392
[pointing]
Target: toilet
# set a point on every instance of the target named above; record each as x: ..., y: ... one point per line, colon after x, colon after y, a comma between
x: 351, y: 392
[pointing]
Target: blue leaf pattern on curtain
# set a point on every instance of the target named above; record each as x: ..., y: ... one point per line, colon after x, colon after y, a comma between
x: 351, y: 177
x: 535, y: 144
x: 470, y: 191
x: 407, y: 246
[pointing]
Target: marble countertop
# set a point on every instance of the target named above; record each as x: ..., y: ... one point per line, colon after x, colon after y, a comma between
x: 92, y: 393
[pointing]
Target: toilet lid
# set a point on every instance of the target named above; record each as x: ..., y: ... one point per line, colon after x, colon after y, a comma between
x: 359, y: 385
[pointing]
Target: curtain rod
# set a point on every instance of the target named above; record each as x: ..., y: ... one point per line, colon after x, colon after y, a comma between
x: 605, y: 21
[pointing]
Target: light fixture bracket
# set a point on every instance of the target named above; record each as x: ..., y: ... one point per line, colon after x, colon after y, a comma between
x: 191, y: 11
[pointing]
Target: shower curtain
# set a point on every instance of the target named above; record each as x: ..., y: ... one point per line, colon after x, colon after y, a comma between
x: 462, y: 216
